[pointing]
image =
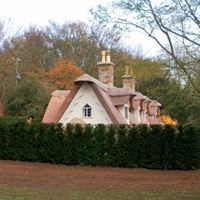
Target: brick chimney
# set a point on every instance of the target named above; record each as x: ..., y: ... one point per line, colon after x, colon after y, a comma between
x: 128, y: 80
x: 106, y: 69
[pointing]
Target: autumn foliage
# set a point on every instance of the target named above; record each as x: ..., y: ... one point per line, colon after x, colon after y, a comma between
x: 166, y: 119
x: 63, y: 74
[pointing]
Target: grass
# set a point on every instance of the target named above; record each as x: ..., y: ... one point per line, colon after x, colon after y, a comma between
x: 24, y: 193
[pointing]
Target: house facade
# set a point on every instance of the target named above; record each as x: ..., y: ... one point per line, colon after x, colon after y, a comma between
x: 98, y: 101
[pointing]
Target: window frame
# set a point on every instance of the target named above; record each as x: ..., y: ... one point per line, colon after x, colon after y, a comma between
x: 87, y: 111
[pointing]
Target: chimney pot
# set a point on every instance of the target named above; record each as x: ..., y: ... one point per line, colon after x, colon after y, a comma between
x: 108, y: 56
x: 103, y: 54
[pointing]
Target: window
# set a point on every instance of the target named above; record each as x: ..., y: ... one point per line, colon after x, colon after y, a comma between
x: 126, y: 111
x: 87, y: 111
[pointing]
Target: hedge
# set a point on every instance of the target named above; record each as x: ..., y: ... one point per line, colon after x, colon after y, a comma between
x: 154, y: 147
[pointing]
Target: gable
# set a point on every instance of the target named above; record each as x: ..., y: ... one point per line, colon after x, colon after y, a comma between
x: 85, y: 95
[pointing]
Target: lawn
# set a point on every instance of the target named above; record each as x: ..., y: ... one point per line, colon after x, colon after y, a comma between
x: 35, y: 181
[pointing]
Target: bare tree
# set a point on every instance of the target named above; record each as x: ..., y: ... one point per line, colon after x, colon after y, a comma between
x: 7, y: 30
x: 174, y: 25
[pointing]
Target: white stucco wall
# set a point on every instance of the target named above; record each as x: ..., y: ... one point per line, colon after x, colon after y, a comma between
x: 136, y: 114
x: 121, y: 109
x: 85, y: 95
x: 143, y: 116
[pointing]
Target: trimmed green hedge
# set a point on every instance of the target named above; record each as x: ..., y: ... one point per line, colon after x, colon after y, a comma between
x: 154, y: 147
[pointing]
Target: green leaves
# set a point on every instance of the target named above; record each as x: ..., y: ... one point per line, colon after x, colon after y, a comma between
x: 28, y: 98
x: 155, y: 147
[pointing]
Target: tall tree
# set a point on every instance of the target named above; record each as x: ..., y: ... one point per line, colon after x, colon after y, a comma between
x: 6, y: 65
x: 63, y: 74
x: 174, y: 25
x: 6, y: 30
x: 80, y: 43
x: 30, y: 97
x: 152, y: 80
x: 33, y: 53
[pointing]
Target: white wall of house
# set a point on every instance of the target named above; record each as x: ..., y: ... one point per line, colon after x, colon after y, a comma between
x: 143, y: 116
x: 84, y: 96
x: 136, y: 114
x: 121, y: 109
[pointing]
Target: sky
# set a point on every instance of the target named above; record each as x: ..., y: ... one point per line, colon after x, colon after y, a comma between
x: 24, y: 13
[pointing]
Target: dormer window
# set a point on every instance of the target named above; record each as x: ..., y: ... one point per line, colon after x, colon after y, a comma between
x: 126, y: 110
x: 87, y: 111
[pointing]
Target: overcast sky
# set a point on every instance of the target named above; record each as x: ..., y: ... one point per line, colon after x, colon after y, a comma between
x: 38, y: 12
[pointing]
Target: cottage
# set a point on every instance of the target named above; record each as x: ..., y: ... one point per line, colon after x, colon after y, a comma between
x: 98, y: 101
